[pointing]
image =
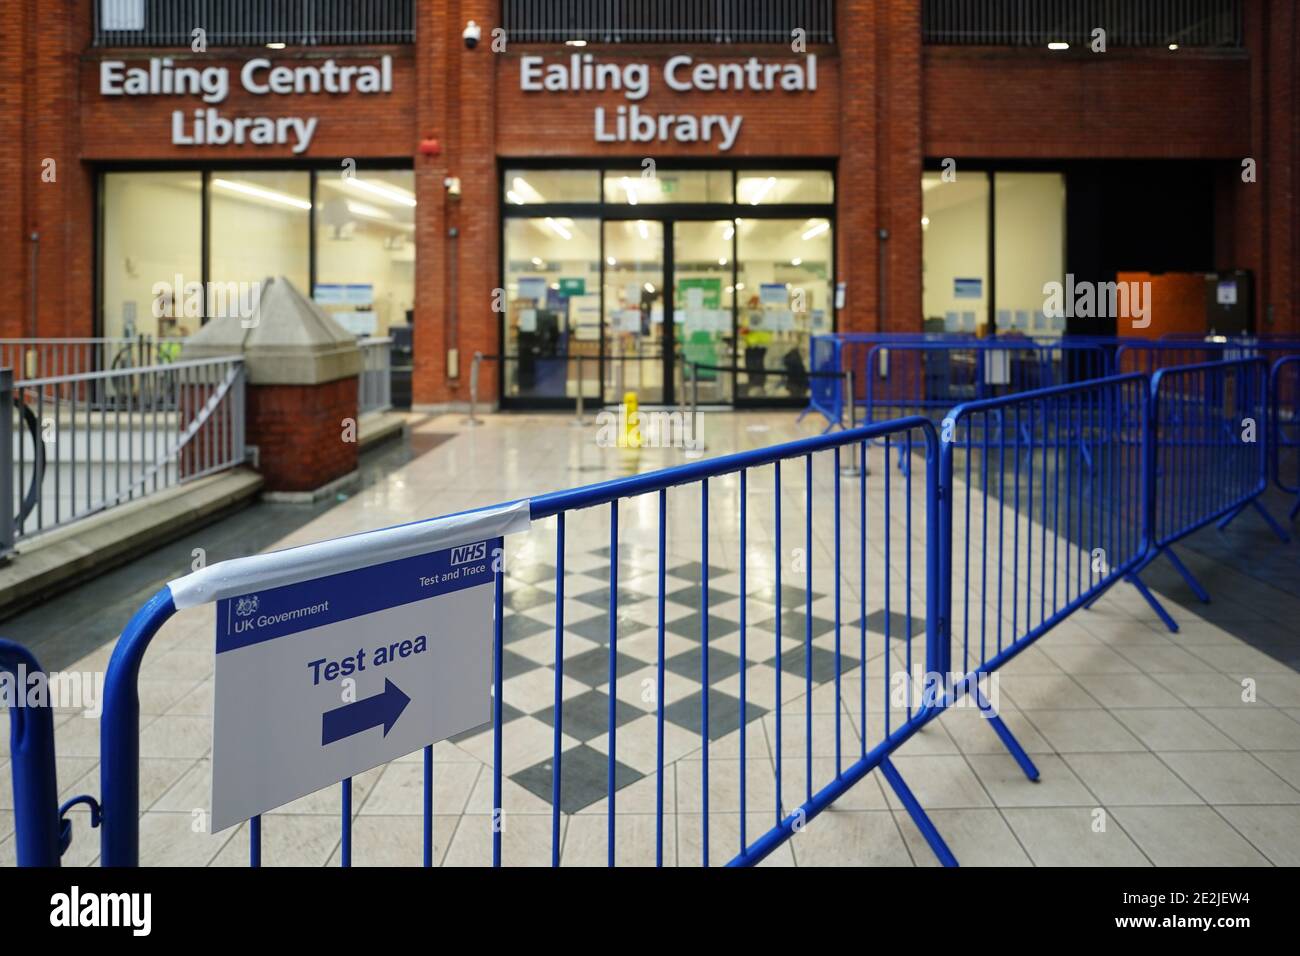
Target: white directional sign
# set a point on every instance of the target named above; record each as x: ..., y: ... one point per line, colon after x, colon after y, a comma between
x: 320, y: 680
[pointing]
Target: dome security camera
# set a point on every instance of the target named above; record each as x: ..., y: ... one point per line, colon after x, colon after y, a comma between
x: 471, y: 35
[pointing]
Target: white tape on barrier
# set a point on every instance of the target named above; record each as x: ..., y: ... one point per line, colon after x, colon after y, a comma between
x: 260, y: 572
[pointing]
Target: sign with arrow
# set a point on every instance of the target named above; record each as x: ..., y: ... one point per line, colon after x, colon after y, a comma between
x: 321, y: 680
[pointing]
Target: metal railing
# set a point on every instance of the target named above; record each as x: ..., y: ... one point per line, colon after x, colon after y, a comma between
x: 670, y: 21
x: 375, y: 386
x: 145, y: 23
x: 1284, y: 427
x: 81, y: 444
x: 47, y: 357
x: 1128, y: 23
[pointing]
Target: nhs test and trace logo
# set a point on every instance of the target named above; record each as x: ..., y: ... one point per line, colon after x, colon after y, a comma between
x: 468, y: 552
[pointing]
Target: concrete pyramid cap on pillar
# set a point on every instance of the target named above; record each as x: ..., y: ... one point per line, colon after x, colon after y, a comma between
x: 287, y: 340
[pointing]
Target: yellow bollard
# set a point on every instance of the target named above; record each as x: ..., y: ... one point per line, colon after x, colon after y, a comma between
x: 631, y: 437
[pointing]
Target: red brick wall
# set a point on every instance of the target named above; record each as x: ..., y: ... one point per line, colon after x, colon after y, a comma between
x: 298, y: 431
x: 1017, y: 103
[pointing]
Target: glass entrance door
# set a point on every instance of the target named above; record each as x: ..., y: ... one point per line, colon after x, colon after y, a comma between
x: 703, y: 307
x: 634, y: 337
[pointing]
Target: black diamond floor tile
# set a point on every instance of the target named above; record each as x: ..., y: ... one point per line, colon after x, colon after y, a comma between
x: 597, y: 628
x: 592, y: 666
x: 600, y: 598
x: 519, y: 627
x: 791, y: 596
x: 687, y: 664
x: 724, y: 713
x: 512, y: 664
x: 584, y: 778
x: 586, y: 716
x: 693, y: 596
x: 823, y: 663
x: 792, y: 625
x: 897, y: 624
x: 527, y: 597
x: 689, y: 626
x: 694, y: 571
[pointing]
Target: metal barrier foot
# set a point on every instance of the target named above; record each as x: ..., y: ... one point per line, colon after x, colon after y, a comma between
x: 1201, y: 594
x: 1006, y: 736
x: 918, y: 815
x: 1269, y: 520
x: 1156, y: 606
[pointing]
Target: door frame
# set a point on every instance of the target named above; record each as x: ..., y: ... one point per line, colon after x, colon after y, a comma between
x: 668, y: 214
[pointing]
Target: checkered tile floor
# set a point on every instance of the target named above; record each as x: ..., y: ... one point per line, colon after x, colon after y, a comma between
x: 528, y: 704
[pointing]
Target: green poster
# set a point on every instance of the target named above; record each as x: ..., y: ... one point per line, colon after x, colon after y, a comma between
x: 709, y: 296
x: 571, y: 287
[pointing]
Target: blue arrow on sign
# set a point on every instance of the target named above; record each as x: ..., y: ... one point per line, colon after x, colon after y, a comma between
x: 383, y: 708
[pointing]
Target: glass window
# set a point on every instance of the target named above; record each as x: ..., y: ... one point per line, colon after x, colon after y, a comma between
x: 704, y: 293
x: 152, y: 241
x: 785, y: 186
x: 783, y: 291
x: 634, y: 308
x: 552, y: 270
x: 365, y: 248
x: 259, y: 228
x: 1029, y: 229
x: 633, y: 186
x: 525, y: 187
x: 955, y: 252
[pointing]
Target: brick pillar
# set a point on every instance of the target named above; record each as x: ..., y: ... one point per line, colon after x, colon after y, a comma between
x: 302, y: 372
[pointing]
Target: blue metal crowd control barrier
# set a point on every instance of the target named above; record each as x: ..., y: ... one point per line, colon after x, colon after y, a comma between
x: 1033, y: 527
x: 1284, y: 387
x: 930, y: 377
x: 826, y: 390
x: 877, y: 511
x: 41, y: 832
x: 1018, y: 510
x: 1207, y: 457
x: 1150, y: 356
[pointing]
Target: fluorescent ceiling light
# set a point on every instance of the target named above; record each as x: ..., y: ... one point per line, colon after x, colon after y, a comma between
x: 796, y: 261
x: 731, y: 231
x: 643, y: 229
x: 650, y: 288
x: 817, y: 230
x: 1173, y: 46
x: 1058, y: 45
x: 514, y: 197
x: 763, y: 190
x: 383, y: 190
x: 575, y: 42
x: 537, y: 261
x: 610, y: 261
x: 559, y: 230
x: 270, y: 195
x: 722, y: 261
x: 365, y: 209
x: 630, y: 188
x: 275, y: 46
x: 524, y: 189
